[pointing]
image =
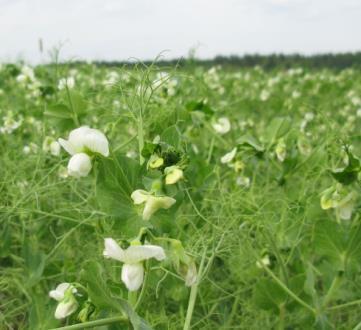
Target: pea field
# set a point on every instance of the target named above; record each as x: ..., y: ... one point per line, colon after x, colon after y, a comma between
x: 146, y: 197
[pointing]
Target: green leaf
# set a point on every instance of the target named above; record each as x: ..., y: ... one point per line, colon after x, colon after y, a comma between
x: 268, y: 295
x: 310, y: 281
x: 5, y: 241
x: 199, y: 105
x: 100, y: 295
x: 149, y: 149
x: 78, y: 102
x: 278, y: 127
x: 41, y: 315
x: 34, y: 263
x: 338, y: 242
x: 171, y: 136
x: 354, y: 243
x: 348, y: 174
x: 250, y: 142
x: 117, y: 178
x: 60, y: 111
x: 137, y: 322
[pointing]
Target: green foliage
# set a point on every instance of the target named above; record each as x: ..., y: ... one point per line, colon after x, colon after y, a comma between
x: 99, y: 293
x: 117, y: 178
x: 201, y: 106
x: 277, y: 128
x: 288, y: 128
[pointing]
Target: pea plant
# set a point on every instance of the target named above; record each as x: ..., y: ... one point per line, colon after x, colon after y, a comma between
x: 142, y: 193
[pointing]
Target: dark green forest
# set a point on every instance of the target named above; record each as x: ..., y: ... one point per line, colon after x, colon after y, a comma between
x: 273, y: 61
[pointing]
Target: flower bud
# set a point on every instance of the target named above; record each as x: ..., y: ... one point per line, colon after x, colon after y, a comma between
x: 173, y: 174
x: 86, y: 312
x: 155, y: 162
x: 55, y: 148
x: 228, y: 157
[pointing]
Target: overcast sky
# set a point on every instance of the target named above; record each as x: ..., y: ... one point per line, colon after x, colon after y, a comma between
x: 122, y: 29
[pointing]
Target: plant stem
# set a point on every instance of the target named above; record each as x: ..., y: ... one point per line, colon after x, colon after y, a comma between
x: 290, y: 293
x: 76, y: 120
x: 351, y: 303
x: 191, y: 303
x: 132, y: 298
x: 93, y: 324
x: 193, y: 295
x: 281, y: 324
x: 140, y: 138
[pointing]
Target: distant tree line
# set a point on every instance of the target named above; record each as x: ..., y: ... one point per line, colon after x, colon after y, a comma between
x: 333, y: 61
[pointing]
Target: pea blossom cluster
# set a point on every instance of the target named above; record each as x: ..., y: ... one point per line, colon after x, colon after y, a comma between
x: 84, y: 144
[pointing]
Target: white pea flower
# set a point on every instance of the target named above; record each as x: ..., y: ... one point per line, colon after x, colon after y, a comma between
x: 309, y: 116
x: 228, y: 157
x: 296, y: 94
x: 85, y: 139
x: 111, y: 78
x: 132, y: 257
x: 64, y: 294
x: 31, y: 148
x: 63, y: 172
x: 173, y: 174
x: 55, y: 148
x: 222, y: 125
x: 66, y: 82
x: 26, y: 75
x: 10, y: 124
x: 84, y: 142
x: 243, y: 181
x: 26, y: 150
x: 131, y: 154
x: 52, y: 146
x: 339, y: 199
x: 264, y: 96
x: 79, y: 165
x: 265, y: 261
x: 152, y: 203
x: 346, y: 206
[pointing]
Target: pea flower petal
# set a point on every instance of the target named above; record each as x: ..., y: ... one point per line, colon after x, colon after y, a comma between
x: 58, y: 293
x: 222, y: 125
x: 64, y: 294
x: 132, y: 276
x: 173, y: 174
x: 132, y: 257
x: 79, y: 165
x: 153, y: 204
x: 113, y: 250
x: 139, y: 196
x: 228, y: 157
x: 66, y: 308
x: 85, y: 139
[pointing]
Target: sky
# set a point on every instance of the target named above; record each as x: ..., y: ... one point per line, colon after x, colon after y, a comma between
x: 143, y: 29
